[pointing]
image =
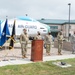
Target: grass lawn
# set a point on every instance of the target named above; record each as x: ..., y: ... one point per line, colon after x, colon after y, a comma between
x: 39, y: 68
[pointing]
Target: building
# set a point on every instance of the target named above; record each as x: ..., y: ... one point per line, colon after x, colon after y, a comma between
x: 57, y: 25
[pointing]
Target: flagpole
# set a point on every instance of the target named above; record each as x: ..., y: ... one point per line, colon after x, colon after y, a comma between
x: 6, y: 39
x: 14, y: 38
x: 6, y: 45
x: 12, y: 41
x: 0, y: 27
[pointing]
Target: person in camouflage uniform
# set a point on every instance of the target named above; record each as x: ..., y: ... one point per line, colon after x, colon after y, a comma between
x: 60, y: 42
x: 38, y: 36
x: 73, y: 43
x: 48, y: 42
x: 24, y: 42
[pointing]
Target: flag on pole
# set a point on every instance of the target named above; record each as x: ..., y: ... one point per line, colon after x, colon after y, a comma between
x: 0, y: 27
x: 11, y: 45
x: 0, y: 34
x: 5, y: 34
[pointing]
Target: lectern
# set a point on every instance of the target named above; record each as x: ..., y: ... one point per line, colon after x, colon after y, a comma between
x: 37, y: 50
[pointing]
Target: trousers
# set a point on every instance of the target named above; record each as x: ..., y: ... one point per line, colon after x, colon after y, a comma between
x: 48, y: 48
x: 24, y: 49
x: 73, y: 47
x: 60, y: 45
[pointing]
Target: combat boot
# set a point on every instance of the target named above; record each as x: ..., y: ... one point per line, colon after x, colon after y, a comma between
x: 59, y: 54
x: 23, y: 56
x: 47, y: 54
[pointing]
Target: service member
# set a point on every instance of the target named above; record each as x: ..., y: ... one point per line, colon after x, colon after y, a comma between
x: 73, y: 42
x: 48, y: 42
x: 60, y: 42
x: 24, y: 42
x: 38, y: 36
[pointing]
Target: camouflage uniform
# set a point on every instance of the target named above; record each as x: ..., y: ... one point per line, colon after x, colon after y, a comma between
x: 24, y: 41
x: 38, y: 36
x: 60, y: 43
x: 48, y: 41
x: 73, y: 43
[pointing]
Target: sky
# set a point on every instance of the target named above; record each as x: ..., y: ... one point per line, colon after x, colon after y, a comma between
x: 37, y: 9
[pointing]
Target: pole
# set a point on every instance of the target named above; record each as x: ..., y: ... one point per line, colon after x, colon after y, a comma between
x: 6, y: 53
x: 0, y: 34
x: 69, y: 20
x: 26, y: 14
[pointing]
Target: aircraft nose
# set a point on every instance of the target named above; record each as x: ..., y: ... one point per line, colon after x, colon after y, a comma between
x: 48, y: 28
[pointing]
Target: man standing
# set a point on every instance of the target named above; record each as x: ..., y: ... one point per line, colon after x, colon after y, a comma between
x: 24, y: 42
x: 38, y: 36
x: 73, y: 43
x: 60, y: 42
x: 48, y: 41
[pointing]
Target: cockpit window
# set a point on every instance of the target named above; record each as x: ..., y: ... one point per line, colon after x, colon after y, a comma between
x: 41, y: 28
x: 44, y: 30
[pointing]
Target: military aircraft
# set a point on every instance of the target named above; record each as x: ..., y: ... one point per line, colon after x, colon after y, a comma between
x: 32, y: 26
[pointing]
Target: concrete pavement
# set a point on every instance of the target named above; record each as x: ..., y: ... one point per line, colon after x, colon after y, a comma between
x: 14, y: 57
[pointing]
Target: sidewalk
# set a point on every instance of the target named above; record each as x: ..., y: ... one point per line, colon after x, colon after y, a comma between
x: 14, y: 56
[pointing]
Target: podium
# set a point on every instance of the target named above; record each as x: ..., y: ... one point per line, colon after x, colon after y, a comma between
x: 37, y: 50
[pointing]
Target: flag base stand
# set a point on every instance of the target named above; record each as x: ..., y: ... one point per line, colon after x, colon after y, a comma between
x: 6, y: 55
x: 12, y: 59
x: 5, y: 60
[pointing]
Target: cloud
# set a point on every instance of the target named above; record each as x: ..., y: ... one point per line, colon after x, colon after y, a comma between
x: 52, y: 9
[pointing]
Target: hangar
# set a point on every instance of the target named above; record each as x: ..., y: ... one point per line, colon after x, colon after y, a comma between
x: 57, y: 25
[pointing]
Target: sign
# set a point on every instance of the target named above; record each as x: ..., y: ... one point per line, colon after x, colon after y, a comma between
x: 54, y: 28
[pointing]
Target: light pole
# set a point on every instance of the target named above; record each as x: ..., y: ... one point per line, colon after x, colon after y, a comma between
x: 26, y: 14
x: 69, y: 19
